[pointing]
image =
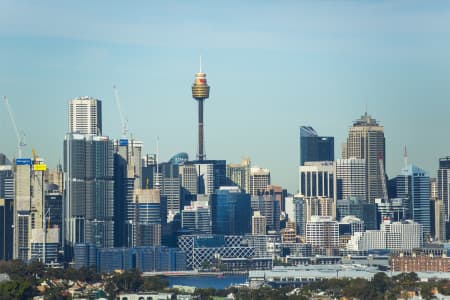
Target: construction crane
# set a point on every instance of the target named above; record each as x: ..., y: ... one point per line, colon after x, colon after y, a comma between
x: 123, y: 121
x: 19, y: 135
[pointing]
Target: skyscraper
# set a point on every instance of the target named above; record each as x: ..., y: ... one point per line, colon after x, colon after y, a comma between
x: 200, y: 92
x: 414, y: 185
x: 85, y: 116
x: 6, y: 210
x: 239, y: 174
x: 89, y: 197
x: 317, y: 179
x: 351, y: 178
x: 444, y: 183
x: 259, y: 180
x: 314, y: 147
x: 231, y: 211
x: 366, y: 141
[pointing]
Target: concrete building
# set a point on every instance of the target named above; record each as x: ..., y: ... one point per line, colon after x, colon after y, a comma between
x: 323, y: 235
x: 146, y: 218
x: 196, y: 218
x: 6, y: 211
x: 258, y: 224
x: 239, y: 174
x: 351, y: 178
x: 419, y: 262
x: 317, y: 179
x: 366, y: 141
x: 269, y: 207
x: 359, y: 208
x: 85, y: 116
x: 259, y: 180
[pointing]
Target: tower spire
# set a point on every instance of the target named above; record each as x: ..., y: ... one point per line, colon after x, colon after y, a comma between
x: 200, y: 64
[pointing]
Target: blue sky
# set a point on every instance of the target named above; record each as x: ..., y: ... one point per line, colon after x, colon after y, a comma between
x: 272, y: 66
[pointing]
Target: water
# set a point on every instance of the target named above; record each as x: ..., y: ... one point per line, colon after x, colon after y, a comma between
x: 215, y: 282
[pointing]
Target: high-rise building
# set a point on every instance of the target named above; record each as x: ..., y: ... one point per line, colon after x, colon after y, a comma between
x: 200, y: 92
x: 127, y: 179
x: 366, y: 141
x: 168, y: 181
x: 351, y: 178
x: 85, y: 116
x: 414, y: 185
x: 317, y: 179
x: 259, y: 180
x: 196, y: 218
x: 443, y: 183
x: 146, y: 223
x: 239, y: 174
x: 89, y: 196
x: 6, y: 211
x: 211, y: 175
x: 29, y: 214
x: 323, y: 235
x: 258, y: 224
x: 314, y: 147
x: 231, y: 211
x: 269, y: 207
x: 359, y: 208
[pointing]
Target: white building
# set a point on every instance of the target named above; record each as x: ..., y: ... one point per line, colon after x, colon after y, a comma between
x: 317, y: 179
x: 405, y: 235
x: 259, y: 180
x: 85, y: 116
x: 351, y: 178
x: 323, y: 235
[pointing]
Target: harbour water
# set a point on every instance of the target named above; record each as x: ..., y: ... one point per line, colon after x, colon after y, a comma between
x: 208, y: 281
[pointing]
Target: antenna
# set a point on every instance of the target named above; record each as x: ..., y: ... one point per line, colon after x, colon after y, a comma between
x: 200, y: 63
x: 123, y: 121
x: 157, y: 163
x: 19, y: 135
x: 405, y: 157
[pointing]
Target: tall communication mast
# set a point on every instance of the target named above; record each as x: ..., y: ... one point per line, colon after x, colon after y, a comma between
x: 123, y: 121
x: 200, y: 92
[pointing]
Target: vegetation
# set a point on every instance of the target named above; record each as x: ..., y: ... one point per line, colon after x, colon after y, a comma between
x: 26, y: 277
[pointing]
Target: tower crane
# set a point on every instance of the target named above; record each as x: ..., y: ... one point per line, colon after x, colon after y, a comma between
x: 19, y: 135
x: 123, y: 121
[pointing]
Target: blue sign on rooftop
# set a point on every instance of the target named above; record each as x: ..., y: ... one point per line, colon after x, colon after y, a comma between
x: 123, y: 142
x: 23, y: 161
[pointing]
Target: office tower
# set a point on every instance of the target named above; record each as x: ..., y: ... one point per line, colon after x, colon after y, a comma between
x: 437, y: 216
x: 55, y: 177
x: 394, y: 209
x: 54, y: 209
x: 366, y: 141
x: 148, y: 171
x: 314, y: 147
x: 239, y: 174
x: 317, y: 179
x: 279, y: 193
x: 211, y: 175
x: 200, y: 92
x: 4, y: 160
x: 29, y: 215
x: 434, y: 188
x: 89, y: 197
x: 259, y: 180
x: 443, y: 180
x: 146, y: 213
x: 319, y: 206
x: 85, y: 116
x: 351, y: 178
x: 414, y: 185
x: 360, y: 208
x: 269, y: 207
x: 196, y: 218
x: 323, y: 235
x: 258, y: 224
x: 168, y: 181
x: 189, y: 183
x: 231, y: 211
x: 6, y: 211
x: 127, y: 179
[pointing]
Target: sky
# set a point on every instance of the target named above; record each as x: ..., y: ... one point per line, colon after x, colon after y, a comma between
x: 272, y: 67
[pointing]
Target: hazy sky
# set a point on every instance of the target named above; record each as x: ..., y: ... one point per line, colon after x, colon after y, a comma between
x: 272, y: 66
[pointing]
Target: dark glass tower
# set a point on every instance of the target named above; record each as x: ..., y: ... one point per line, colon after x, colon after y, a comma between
x: 314, y: 147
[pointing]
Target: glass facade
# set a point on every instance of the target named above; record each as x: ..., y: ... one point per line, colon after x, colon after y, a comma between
x: 314, y: 147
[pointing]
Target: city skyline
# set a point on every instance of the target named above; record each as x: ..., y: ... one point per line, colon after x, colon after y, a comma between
x: 388, y: 57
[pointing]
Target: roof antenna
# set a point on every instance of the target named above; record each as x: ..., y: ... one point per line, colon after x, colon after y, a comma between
x: 405, y: 157
x: 200, y: 63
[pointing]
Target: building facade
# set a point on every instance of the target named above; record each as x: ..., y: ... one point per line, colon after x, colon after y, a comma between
x: 314, y: 147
